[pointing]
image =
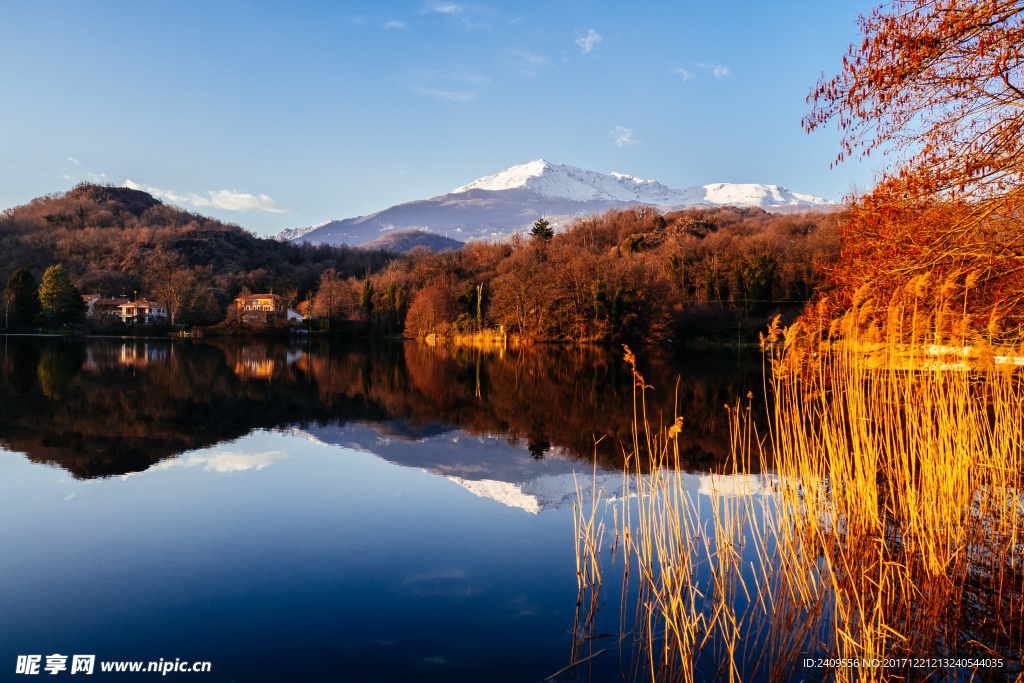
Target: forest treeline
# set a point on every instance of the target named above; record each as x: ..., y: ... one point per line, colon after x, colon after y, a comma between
x: 624, y: 274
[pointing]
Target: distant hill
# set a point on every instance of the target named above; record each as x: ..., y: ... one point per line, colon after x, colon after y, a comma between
x: 511, y: 200
x: 109, y: 238
x: 407, y: 240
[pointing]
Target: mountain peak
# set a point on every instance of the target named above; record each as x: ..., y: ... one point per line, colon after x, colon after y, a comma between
x: 510, y: 178
x: 559, y: 181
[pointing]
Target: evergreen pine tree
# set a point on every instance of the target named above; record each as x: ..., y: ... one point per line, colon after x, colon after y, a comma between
x: 542, y: 230
x: 58, y: 297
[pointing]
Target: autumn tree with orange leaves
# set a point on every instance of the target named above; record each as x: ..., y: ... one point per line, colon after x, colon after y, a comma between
x: 939, y: 84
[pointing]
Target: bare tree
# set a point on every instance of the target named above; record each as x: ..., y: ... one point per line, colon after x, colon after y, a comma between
x: 330, y: 295
x: 169, y: 280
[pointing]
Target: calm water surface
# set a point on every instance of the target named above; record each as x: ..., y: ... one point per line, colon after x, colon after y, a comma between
x: 314, y: 512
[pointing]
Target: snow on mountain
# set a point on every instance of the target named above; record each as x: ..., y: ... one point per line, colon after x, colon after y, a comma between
x: 511, y: 200
x: 545, y: 492
x: 753, y: 194
x: 289, y: 234
x: 558, y: 181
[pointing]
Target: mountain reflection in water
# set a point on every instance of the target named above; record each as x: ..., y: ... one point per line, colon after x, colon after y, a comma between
x: 104, y: 407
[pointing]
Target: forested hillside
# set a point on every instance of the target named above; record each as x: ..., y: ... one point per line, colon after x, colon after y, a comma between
x: 114, y: 240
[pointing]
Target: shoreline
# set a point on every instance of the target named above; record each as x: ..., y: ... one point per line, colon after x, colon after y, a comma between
x: 494, y: 342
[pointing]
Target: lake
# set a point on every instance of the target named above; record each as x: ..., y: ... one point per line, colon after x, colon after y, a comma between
x: 312, y: 512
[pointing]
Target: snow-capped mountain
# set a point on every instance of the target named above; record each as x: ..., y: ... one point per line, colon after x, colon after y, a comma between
x: 558, y: 181
x: 511, y: 200
x: 489, y: 467
x: 289, y: 234
x: 754, y: 194
x: 486, y: 465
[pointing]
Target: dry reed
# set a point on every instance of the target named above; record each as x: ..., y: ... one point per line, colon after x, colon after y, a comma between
x: 884, y: 527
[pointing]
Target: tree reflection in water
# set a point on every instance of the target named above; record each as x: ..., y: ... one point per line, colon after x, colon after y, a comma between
x: 104, y: 407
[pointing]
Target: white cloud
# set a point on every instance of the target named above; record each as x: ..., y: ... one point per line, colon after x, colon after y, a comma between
x: 686, y: 75
x: 448, y: 8
x: 589, y: 41
x: 81, y: 173
x: 445, y: 95
x: 167, y: 194
x: 242, y: 201
x: 400, y: 25
x: 223, y: 461
x: 235, y: 462
x: 622, y: 136
x: 229, y: 200
x: 717, y: 70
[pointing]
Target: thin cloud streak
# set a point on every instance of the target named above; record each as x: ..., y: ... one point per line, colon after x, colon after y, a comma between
x: 81, y: 173
x: 448, y: 8
x: 680, y: 71
x: 229, y: 200
x: 717, y: 70
x: 445, y: 95
x: 471, y: 16
x: 456, y: 84
x: 527, y: 62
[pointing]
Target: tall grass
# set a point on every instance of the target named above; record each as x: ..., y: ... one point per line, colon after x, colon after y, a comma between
x: 907, y: 474
x: 884, y: 521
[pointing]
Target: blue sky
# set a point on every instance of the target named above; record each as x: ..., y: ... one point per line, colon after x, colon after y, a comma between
x: 282, y: 115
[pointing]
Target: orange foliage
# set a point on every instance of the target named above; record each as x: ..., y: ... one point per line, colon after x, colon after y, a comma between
x: 941, y: 83
x: 432, y: 309
x: 944, y: 81
x: 890, y: 239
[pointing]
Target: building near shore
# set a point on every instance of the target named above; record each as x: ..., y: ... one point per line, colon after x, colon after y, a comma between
x: 266, y: 309
x: 143, y: 312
